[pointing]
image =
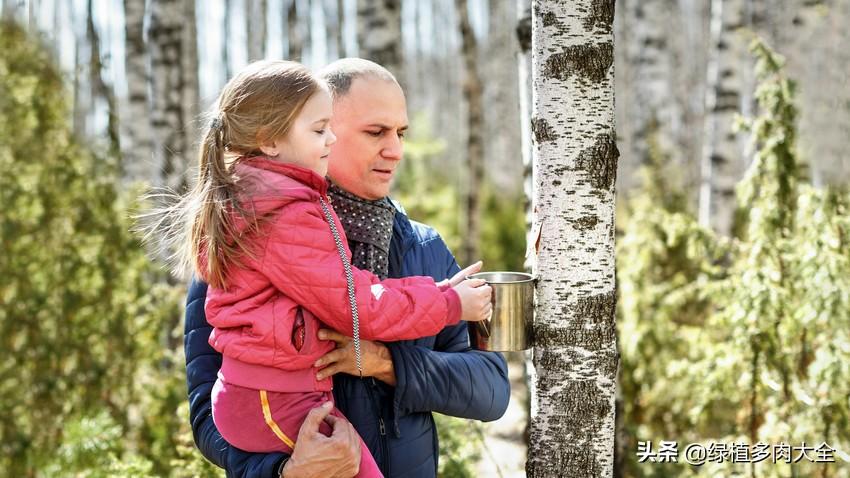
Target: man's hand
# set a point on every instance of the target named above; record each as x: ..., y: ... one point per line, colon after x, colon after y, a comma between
x: 462, y: 275
x: 375, y: 358
x: 316, y: 455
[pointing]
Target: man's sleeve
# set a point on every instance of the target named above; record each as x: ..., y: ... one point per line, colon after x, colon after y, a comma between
x: 452, y: 379
x: 202, y: 364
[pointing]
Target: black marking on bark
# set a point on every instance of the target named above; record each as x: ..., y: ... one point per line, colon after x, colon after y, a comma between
x: 590, y: 62
x: 556, y: 182
x: 585, y: 223
x: 550, y: 19
x: 581, y: 412
x: 601, y: 16
x: 542, y: 131
x: 591, y: 325
x: 599, y: 161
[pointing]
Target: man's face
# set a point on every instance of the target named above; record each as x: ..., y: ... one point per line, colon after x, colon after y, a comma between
x: 369, y: 122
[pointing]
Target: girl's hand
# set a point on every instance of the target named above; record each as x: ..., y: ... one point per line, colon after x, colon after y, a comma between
x: 375, y: 358
x: 475, y: 297
x: 462, y: 275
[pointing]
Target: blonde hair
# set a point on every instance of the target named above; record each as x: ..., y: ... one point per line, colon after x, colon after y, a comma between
x: 256, y: 106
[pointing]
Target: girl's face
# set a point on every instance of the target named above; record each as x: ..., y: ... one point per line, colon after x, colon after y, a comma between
x: 308, y: 141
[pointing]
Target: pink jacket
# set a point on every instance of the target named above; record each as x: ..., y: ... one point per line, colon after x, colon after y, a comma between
x: 296, y: 273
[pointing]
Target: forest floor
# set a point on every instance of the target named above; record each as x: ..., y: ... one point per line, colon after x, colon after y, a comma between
x: 504, y: 451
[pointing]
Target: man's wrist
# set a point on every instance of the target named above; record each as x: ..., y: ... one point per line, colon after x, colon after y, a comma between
x: 287, y: 469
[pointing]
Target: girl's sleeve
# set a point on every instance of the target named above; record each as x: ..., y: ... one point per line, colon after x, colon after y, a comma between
x: 300, y: 259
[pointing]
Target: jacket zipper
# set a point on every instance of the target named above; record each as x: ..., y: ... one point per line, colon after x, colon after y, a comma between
x: 382, y: 429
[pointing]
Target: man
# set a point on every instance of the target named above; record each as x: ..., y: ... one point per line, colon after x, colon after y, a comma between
x: 403, y: 382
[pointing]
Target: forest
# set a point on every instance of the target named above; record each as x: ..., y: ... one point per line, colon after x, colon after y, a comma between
x: 673, y: 173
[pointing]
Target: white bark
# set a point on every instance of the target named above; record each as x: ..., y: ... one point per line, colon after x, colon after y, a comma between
x: 503, y: 143
x: 333, y: 28
x: 575, y: 354
x: 295, y: 32
x: 729, y: 91
x: 473, y: 92
x: 174, y: 89
x: 655, y: 109
x: 523, y: 32
x: 99, y: 88
x: 136, y: 131
x: 379, y: 34
x: 255, y: 27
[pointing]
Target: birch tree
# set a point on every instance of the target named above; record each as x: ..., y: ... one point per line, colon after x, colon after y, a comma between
x: 174, y: 67
x: 294, y: 32
x: 473, y: 93
x: 575, y: 352
x: 333, y: 10
x: 502, y: 149
x: 654, y: 109
x: 728, y: 92
x: 523, y: 33
x: 379, y: 34
x: 255, y: 27
x: 99, y: 88
x: 136, y: 131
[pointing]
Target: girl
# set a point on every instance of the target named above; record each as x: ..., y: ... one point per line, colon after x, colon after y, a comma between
x: 262, y: 234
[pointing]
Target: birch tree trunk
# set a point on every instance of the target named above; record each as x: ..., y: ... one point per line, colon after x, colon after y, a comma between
x: 136, y: 131
x: 333, y: 28
x: 225, y: 45
x: 379, y: 34
x: 473, y: 93
x: 523, y: 32
x: 503, y: 147
x: 255, y: 27
x: 295, y: 33
x: 174, y: 87
x: 728, y: 92
x: 654, y: 111
x: 575, y: 353
x: 99, y: 88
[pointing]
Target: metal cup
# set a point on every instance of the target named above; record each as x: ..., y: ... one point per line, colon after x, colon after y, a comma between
x: 509, y: 328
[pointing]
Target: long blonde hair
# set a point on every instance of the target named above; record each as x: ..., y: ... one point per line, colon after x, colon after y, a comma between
x: 256, y: 106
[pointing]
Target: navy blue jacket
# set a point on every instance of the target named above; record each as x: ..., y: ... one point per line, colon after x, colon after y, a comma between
x: 433, y: 374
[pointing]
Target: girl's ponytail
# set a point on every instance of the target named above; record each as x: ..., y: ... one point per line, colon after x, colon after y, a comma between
x: 197, y: 232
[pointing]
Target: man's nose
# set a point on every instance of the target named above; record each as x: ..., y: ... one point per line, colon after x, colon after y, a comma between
x: 393, y: 148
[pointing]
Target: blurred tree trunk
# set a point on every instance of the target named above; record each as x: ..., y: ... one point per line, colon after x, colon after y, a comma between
x: 225, y: 44
x: 99, y: 88
x: 379, y: 34
x: 137, y: 135
x: 174, y: 77
x: 523, y: 34
x: 333, y: 28
x: 503, y: 148
x: 295, y: 32
x: 255, y: 27
x: 729, y: 91
x: 473, y: 92
x: 654, y: 106
x: 575, y: 352
x: 82, y: 104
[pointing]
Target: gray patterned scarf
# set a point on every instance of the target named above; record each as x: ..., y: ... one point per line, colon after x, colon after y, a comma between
x: 369, y: 228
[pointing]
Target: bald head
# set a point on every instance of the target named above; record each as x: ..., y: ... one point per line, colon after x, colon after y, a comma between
x: 340, y: 74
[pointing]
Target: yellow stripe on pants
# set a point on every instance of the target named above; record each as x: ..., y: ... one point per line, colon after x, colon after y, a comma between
x: 267, y: 414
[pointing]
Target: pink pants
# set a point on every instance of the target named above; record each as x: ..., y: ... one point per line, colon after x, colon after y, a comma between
x: 262, y: 422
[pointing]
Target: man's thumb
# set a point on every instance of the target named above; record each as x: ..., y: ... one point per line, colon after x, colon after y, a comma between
x: 317, y: 415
